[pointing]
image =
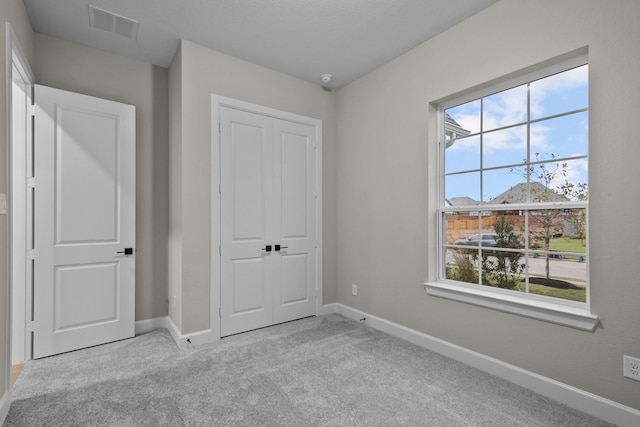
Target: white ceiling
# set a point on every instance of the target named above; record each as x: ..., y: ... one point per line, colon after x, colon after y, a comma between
x: 303, y: 38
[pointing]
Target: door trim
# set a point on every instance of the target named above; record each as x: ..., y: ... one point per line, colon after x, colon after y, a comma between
x: 14, y: 56
x: 218, y: 102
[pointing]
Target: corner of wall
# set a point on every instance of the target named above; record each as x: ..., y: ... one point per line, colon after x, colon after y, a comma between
x: 174, y: 267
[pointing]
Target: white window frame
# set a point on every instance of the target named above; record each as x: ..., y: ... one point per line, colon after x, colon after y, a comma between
x: 568, y: 313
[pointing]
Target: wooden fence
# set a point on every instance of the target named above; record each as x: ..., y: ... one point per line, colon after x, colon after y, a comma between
x: 471, y: 223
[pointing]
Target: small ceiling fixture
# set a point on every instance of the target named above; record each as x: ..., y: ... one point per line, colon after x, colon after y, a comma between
x: 108, y: 21
x: 326, y: 78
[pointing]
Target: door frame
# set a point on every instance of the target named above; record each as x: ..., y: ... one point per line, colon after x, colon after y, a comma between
x: 217, y: 102
x: 17, y: 215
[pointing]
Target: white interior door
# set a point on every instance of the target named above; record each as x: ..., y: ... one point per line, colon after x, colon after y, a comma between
x: 294, y: 220
x: 267, y: 221
x: 84, y: 217
x: 246, y: 209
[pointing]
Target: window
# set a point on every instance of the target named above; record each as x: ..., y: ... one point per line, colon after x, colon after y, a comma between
x: 514, y: 190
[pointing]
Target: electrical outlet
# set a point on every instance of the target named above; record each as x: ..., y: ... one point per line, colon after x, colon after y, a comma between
x: 354, y: 290
x: 631, y: 367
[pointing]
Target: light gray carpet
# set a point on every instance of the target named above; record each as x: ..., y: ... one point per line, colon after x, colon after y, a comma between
x: 319, y: 371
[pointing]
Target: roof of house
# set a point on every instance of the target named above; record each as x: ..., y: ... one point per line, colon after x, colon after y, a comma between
x: 518, y: 194
x: 454, y: 127
x: 462, y: 201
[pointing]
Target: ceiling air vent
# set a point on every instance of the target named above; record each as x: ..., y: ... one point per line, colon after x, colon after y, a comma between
x: 113, y: 23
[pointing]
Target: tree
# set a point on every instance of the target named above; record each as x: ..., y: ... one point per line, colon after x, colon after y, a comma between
x: 578, y: 217
x: 542, y: 176
x: 504, y: 269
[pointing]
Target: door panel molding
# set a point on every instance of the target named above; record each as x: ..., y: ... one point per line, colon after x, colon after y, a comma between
x: 313, y: 210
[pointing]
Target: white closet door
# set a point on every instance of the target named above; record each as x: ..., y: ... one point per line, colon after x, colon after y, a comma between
x: 294, y: 225
x: 246, y: 154
x: 84, y: 216
x: 267, y: 221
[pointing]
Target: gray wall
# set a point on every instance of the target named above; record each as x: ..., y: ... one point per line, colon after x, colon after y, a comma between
x: 204, y: 72
x: 81, y: 69
x: 11, y: 11
x: 386, y: 207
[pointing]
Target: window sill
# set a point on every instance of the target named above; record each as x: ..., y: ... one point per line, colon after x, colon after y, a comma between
x: 559, y: 314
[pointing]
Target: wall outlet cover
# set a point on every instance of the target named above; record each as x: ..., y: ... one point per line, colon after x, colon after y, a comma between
x: 631, y: 368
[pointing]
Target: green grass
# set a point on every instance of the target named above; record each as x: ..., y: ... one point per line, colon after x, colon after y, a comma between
x: 565, y: 244
x: 579, y: 295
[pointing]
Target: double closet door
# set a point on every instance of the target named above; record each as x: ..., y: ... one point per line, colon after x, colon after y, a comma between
x: 268, y: 220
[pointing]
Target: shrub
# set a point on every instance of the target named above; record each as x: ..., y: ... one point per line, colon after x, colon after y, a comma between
x: 464, y: 268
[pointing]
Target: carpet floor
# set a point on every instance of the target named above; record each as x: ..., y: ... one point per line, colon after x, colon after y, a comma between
x: 318, y: 371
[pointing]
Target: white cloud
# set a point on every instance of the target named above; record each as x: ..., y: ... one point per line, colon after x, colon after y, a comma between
x: 509, y: 108
x: 572, y: 171
x: 556, y: 84
x: 505, y: 108
x: 507, y: 139
x: 577, y: 171
x: 539, y: 138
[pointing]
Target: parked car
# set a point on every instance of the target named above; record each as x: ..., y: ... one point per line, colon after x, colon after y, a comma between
x: 488, y: 240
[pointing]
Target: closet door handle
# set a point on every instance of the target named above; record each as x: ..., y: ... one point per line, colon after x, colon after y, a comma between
x: 267, y: 248
x: 278, y: 247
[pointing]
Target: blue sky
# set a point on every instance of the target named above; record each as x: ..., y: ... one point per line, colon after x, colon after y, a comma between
x: 561, y: 137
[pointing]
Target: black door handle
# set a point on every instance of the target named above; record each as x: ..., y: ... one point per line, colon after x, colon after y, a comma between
x: 127, y: 251
x: 278, y: 247
x: 268, y: 248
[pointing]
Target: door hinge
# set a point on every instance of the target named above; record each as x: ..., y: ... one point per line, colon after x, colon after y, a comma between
x: 219, y: 127
x: 31, y: 110
x: 30, y: 326
x: 219, y: 188
x: 31, y: 254
x: 220, y: 312
x: 31, y: 182
x: 220, y: 250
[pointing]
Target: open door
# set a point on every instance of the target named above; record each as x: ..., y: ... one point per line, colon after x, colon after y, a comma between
x: 84, y: 221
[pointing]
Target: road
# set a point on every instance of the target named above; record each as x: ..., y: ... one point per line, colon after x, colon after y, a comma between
x: 563, y: 268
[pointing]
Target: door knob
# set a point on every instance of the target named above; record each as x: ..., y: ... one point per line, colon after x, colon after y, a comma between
x: 127, y: 251
x: 278, y: 247
x: 268, y: 248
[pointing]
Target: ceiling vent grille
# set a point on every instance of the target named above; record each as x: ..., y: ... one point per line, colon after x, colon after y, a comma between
x: 113, y: 23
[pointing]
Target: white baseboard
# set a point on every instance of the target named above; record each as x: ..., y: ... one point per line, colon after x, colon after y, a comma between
x: 195, y: 339
x: 327, y: 309
x: 581, y: 400
x: 5, y: 403
x: 183, y: 341
x: 148, y: 325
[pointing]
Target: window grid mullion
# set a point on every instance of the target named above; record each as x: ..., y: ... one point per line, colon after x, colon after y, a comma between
x: 515, y: 125
x: 480, y: 266
x: 526, y: 213
x: 519, y: 206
